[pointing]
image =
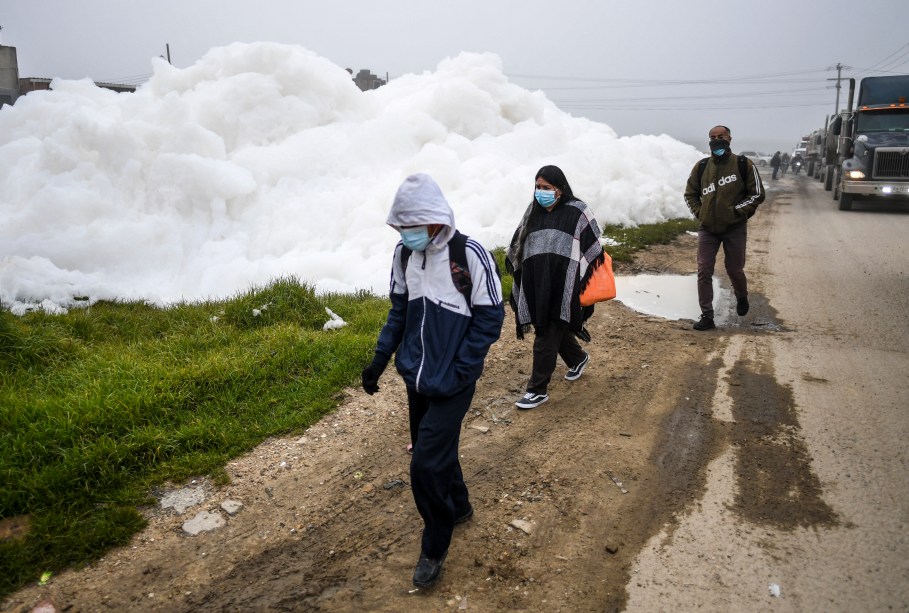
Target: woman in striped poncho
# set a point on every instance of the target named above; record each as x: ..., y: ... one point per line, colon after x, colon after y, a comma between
x: 552, y: 254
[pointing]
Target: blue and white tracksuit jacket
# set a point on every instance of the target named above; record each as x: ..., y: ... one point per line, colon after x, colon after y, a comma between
x: 439, y: 339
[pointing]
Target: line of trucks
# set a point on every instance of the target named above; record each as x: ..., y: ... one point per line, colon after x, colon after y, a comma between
x: 863, y: 152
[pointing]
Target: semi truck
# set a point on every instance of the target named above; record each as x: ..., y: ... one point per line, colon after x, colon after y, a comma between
x: 814, y: 153
x: 867, y: 149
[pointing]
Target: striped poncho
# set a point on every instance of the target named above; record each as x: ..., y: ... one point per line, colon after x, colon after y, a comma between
x: 551, y: 257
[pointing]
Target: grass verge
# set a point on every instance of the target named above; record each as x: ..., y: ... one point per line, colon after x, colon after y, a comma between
x: 632, y: 239
x: 99, y: 405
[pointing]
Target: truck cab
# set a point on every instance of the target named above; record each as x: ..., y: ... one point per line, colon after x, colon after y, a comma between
x: 875, y: 143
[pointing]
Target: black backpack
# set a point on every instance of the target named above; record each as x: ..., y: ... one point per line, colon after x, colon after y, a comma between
x: 743, y: 168
x: 457, y: 257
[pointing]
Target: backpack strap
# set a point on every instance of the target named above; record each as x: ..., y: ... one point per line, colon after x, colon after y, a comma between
x: 701, y: 166
x: 460, y: 271
x: 405, y: 257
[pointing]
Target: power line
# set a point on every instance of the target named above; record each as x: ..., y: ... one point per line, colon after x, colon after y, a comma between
x: 624, y: 86
x: 904, y: 48
x: 128, y: 80
x: 655, y: 82
x: 723, y: 96
x: 605, y: 107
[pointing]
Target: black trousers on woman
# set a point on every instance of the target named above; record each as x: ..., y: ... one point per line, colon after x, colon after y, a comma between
x: 555, y: 340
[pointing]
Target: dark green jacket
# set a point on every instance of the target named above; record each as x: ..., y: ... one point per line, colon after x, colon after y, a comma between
x: 720, y: 198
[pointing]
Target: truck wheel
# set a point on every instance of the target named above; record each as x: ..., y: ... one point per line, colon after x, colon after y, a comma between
x: 828, y: 178
x: 845, y: 202
x: 810, y: 170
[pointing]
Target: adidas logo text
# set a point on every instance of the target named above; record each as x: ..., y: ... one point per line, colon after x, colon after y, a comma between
x: 723, y: 181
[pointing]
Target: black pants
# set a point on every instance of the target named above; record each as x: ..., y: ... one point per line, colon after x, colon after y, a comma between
x: 435, y: 472
x: 552, y: 341
x: 733, y: 241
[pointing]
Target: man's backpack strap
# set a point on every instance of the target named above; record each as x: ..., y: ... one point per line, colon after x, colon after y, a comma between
x: 701, y: 166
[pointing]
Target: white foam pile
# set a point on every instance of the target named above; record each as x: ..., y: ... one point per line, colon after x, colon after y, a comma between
x: 264, y: 160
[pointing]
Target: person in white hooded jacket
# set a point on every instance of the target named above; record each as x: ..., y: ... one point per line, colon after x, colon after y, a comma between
x: 440, y: 340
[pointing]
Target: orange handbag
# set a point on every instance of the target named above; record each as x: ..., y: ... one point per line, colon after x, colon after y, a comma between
x: 601, y: 286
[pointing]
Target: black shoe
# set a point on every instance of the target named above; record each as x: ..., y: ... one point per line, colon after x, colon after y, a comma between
x: 741, y: 306
x: 531, y: 400
x: 704, y: 323
x: 460, y: 519
x: 575, y: 373
x: 427, y: 571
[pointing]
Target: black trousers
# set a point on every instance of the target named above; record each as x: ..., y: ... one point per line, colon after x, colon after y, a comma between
x: 552, y: 341
x: 733, y: 242
x: 435, y: 472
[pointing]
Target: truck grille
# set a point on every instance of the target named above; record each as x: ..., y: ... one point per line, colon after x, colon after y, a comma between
x: 891, y: 163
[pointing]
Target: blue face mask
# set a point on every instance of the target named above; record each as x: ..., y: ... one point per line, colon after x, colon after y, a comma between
x: 545, y: 197
x: 416, y: 239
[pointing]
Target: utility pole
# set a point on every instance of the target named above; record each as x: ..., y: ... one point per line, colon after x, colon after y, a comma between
x: 167, y: 45
x: 839, y: 70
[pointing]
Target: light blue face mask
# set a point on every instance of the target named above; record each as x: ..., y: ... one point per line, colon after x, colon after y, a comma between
x: 416, y: 239
x: 545, y: 197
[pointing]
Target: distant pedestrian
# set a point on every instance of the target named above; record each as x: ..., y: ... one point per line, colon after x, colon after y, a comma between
x: 723, y: 192
x: 784, y: 163
x: 440, y: 339
x: 775, y: 163
x: 552, y: 255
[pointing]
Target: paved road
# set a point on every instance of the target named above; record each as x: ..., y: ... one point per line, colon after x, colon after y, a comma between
x: 838, y: 285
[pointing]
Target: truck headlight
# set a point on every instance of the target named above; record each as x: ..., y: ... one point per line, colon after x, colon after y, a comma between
x: 855, y: 174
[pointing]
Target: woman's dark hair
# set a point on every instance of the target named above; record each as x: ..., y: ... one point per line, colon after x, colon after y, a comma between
x: 555, y: 177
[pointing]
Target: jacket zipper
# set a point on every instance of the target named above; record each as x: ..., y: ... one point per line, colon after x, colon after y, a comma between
x: 716, y: 196
x: 422, y: 326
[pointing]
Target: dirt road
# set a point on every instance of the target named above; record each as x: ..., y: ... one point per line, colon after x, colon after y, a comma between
x: 684, y: 470
x: 836, y: 374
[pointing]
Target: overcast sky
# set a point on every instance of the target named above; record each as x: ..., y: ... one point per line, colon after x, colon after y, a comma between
x: 643, y: 67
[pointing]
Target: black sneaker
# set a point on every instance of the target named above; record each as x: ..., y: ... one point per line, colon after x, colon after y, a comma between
x: 531, y: 400
x: 427, y: 571
x: 741, y: 306
x: 704, y: 323
x: 466, y: 515
x: 575, y: 373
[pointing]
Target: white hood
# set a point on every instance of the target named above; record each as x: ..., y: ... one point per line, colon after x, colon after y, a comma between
x: 419, y: 202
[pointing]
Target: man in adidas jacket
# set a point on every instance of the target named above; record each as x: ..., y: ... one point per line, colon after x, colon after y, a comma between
x: 723, y: 193
x: 440, y: 340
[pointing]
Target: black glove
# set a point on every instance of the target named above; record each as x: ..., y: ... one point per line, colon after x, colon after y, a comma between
x: 582, y: 334
x: 371, y: 374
